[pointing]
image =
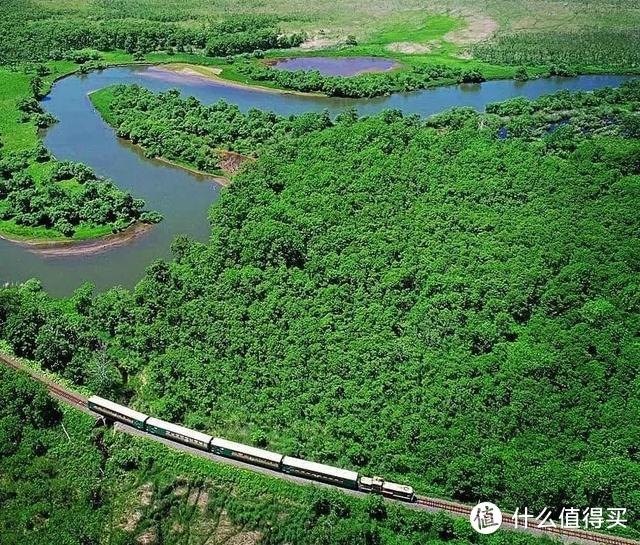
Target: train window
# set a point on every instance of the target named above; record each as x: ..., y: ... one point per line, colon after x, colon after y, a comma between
x: 185, y: 439
x: 319, y: 475
x: 114, y: 414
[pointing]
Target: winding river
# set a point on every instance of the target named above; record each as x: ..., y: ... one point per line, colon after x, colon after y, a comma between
x: 181, y: 196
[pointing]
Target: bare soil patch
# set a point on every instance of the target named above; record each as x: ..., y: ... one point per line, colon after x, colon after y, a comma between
x: 203, y: 500
x: 180, y: 490
x: 413, y: 48
x: 479, y: 27
x: 146, y: 494
x: 319, y: 42
x: 132, y: 520
x: 200, y: 71
x: 225, y: 529
x: 245, y: 538
x: 147, y: 538
x: 231, y: 161
x: 200, y: 498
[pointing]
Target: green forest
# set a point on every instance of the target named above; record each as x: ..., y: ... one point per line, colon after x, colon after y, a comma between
x: 183, y: 129
x: 398, y: 296
x: 452, y: 303
x: 365, y: 85
x: 65, y: 480
x: 36, y: 39
x: 70, y: 198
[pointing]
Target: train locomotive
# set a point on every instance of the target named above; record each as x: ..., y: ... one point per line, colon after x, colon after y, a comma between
x: 251, y: 455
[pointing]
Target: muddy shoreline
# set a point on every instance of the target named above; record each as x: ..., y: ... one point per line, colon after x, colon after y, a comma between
x: 66, y: 248
x: 186, y: 71
x: 220, y: 180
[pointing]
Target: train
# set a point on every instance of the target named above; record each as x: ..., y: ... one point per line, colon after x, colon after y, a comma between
x: 343, y: 478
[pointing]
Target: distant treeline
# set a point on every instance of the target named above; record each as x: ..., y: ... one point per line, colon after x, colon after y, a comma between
x: 23, y: 38
x: 363, y: 85
x: 619, y: 48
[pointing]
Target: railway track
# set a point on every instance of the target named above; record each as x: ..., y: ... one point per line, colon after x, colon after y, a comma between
x: 450, y: 507
x: 566, y: 534
x: 55, y: 389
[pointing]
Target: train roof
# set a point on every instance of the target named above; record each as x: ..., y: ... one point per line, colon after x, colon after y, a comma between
x: 246, y: 449
x: 395, y: 487
x: 338, y: 472
x: 116, y: 408
x: 180, y: 430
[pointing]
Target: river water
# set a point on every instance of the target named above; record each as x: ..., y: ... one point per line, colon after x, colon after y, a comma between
x: 182, y: 197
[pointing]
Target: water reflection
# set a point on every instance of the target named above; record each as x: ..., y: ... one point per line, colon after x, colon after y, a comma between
x: 337, y: 66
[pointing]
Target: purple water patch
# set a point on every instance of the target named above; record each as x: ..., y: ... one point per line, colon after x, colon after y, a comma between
x: 337, y: 66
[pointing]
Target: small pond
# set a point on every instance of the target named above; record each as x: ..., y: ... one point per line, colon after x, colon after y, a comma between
x: 336, y: 66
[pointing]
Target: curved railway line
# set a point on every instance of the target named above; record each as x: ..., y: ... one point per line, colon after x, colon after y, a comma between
x: 422, y: 502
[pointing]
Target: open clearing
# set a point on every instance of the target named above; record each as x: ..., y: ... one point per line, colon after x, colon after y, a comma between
x: 478, y: 28
x: 330, y: 22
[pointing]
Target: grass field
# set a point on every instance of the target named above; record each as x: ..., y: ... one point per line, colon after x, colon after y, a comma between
x: 14, y: 86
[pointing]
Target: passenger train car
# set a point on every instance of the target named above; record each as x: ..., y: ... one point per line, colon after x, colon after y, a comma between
x: 117, y: 412
x: 246, y: 453
x: 178, y: 433
x: 251, y: 455
x: 320, y: 472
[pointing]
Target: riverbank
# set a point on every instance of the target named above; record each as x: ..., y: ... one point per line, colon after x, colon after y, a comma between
x: 220, y: 180
x: 216, y: 74
x: 68, y: 248
x: 229, y: 75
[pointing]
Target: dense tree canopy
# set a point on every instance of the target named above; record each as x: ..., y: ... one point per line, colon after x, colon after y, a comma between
x: 451, y: 303
x: 68, y: 481
x: 70, y: 197
x: 30, y: 33
x: 363, y: 85
x: 47, y: 480
x: 183, y: 129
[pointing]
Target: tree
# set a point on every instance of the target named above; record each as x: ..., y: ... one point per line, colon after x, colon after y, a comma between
x: 37, y: 87
x: 521, y: 74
